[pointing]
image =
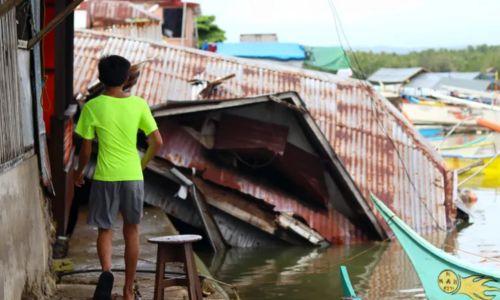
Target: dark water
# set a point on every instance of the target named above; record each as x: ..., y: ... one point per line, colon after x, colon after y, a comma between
x: 378, y: 270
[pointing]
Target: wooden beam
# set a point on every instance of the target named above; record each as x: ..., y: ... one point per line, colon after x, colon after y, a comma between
x: 210, y: 227
x: 53, y: 23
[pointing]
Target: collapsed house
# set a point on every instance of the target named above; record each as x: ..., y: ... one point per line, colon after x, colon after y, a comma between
x: 312, y: 156
x: 264, y: 162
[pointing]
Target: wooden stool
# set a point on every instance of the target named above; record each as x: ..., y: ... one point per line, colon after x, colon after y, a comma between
x: 177, y: 248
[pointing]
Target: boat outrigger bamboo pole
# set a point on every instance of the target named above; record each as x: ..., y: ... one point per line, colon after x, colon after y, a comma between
x: 479, y: 171
x: 453, y: 130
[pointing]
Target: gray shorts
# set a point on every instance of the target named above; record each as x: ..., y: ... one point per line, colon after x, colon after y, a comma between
x: 109, y: 197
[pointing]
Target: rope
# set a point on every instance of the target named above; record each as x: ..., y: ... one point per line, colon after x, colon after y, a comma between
x: 407, y: 172
x: 353, y: 257
x: 472, y: 253
x: 376, y: 112
x: 339, y: 28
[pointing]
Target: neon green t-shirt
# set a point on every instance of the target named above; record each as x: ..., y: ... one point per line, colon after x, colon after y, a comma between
x: 116, y: 122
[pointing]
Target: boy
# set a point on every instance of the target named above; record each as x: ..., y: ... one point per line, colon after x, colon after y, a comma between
x: 115, y: 118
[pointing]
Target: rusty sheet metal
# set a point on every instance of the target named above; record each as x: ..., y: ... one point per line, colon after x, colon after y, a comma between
x: 257, y: 135
x: 145, y: 30
x: 107, y: 13
x: 305, y: 171
x: 183, y: 150
x: 248, y: 139
x: 380, y: 149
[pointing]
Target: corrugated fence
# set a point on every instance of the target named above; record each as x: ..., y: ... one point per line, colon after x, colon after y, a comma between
x: 11, y: 135
x: 381, y: 151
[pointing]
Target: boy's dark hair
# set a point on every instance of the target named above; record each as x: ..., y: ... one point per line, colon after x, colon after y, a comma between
x: 113, y: 70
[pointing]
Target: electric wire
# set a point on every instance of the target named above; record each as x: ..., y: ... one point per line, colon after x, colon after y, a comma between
x: 376, y: 113
x: 339, y: 28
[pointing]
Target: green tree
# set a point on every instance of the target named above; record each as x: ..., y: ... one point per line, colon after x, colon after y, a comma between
x: 208, y: 31
x: 468, y: 59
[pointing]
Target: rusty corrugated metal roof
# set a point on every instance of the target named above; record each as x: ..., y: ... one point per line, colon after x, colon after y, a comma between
x: 106, y: 12
x: 382, y: 152
x: 147, y: 31
x: 183, y: 150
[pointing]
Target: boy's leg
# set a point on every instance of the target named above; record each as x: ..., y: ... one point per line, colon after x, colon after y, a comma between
x: 131, y: 235
x: 131, y: 201
x: 105, y: 248
x: 104, y: 204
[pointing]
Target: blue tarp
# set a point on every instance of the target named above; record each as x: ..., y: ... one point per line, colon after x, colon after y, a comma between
x: 263, y: 50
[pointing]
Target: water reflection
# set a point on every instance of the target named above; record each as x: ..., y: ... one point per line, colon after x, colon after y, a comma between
x: 379, y: 271
x: 297, y: 273
x: 481, y: 240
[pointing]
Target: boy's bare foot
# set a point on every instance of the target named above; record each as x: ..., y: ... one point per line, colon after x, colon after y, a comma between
x: 128, y: 293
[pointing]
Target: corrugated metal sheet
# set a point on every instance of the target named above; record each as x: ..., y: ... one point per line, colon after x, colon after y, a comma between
x: 379, y: 148
x: 394, y: 75
x: 146, y: 31
x: 106, y: 13
x: 264, y: 137
x: 430, y: 80
x: 183, y: 150
x: 470, y: 84
x: 11, y: 133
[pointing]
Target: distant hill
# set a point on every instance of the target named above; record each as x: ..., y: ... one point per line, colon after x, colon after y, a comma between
x: 469, y: 59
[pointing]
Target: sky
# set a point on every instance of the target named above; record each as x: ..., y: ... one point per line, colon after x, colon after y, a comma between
x: 412, y: 24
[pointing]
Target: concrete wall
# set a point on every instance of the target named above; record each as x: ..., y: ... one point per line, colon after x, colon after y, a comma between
x: 24, y: 245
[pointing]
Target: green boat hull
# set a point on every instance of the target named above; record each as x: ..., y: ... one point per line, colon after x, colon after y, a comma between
x: 347, y: 289
x: 442, y: 275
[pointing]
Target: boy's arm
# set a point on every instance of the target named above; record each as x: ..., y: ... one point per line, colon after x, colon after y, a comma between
x: 154, y: 144
x: 83, y: 160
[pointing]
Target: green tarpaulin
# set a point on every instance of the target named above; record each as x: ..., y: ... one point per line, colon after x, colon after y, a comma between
x: 330, y: 59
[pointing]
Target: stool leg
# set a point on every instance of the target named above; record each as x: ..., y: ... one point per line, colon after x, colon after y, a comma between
x: 160, y: 273
x: 194, y: 286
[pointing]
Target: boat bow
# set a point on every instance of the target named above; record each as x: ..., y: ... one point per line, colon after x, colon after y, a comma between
x: 443, y: 276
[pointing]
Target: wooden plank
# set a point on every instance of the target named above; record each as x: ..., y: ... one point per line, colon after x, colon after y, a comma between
x: 238, y: 208
x: 261, y: 216
x: 288, y: 222
x: 210, y: 227
x: 53, y: 23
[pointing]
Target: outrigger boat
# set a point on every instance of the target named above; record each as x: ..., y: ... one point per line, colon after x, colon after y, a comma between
x: 347, y: 289
x: 479, y: 155
x: 443, y: 276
